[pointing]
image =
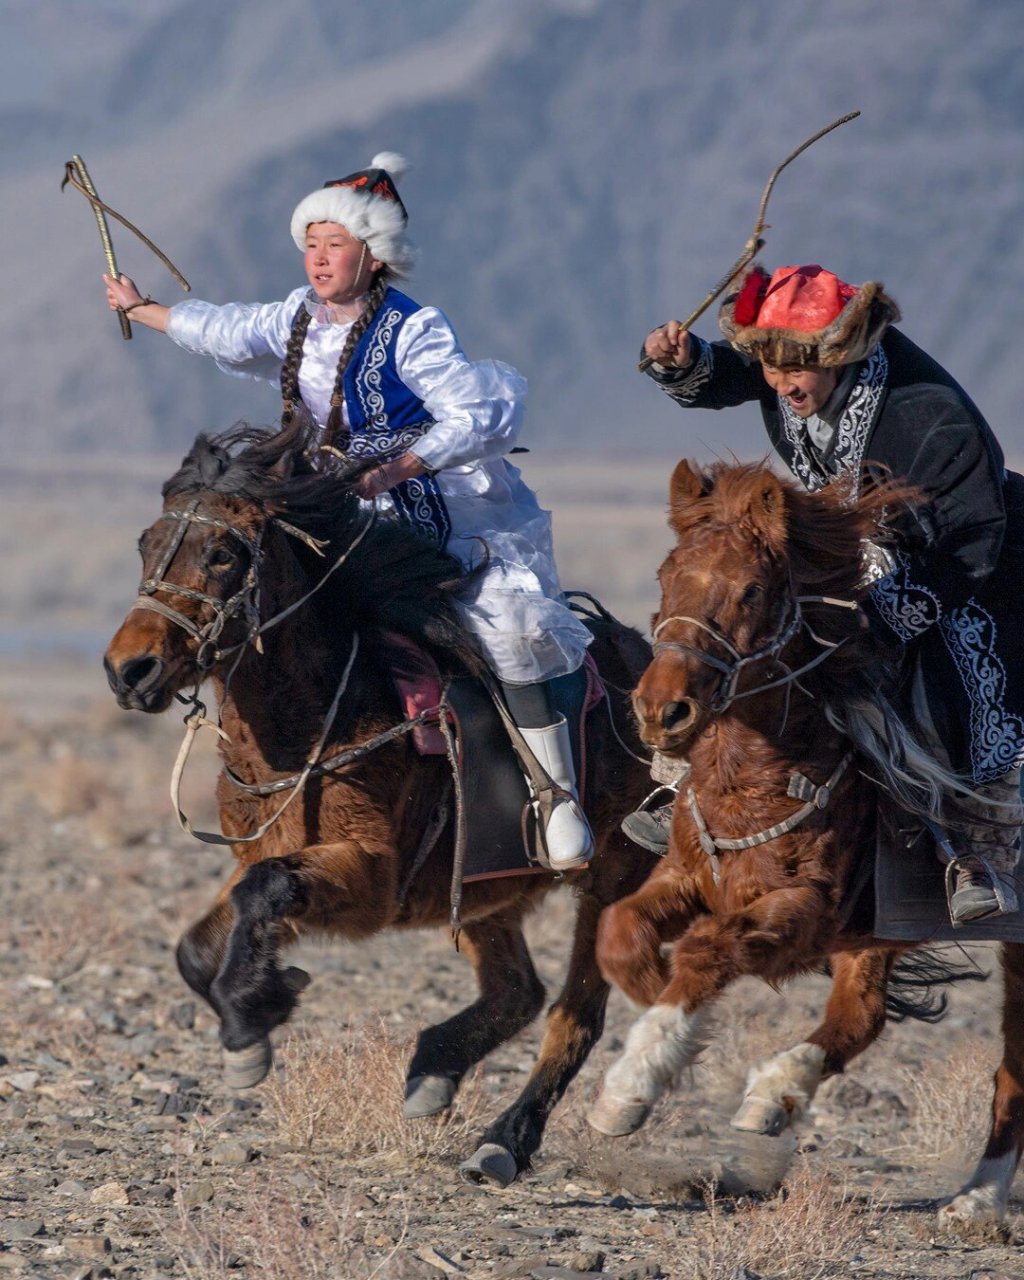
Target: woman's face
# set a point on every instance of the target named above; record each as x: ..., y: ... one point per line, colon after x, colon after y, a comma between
x: 338, y: 266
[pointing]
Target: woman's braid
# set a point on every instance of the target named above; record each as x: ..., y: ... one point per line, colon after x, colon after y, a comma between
x: 335, y: 421
x: 290, y: 368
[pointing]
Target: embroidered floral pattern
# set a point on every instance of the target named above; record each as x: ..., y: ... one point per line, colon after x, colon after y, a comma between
x: 852, y: 430
x: 685, y: 390
x: 419, y: 501
x: 997, y: 736
x: 861, y: 410
x: 368, y: 384
x: 906, y: 606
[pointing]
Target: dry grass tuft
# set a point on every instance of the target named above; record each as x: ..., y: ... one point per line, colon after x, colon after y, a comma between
x: 57, y: 933
x: 274, y: 1233
x: 949, y: 1100
x: 810, y: 1231
x: 347, y: 1094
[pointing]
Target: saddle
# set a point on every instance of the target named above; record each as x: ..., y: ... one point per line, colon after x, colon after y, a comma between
x: 496, y: 799
x: 910, y: 891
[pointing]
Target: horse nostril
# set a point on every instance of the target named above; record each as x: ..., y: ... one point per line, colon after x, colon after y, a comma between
x: 139, y: 674
x: 674, y: 714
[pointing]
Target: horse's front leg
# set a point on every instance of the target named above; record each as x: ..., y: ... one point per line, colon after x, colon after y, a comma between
x: 574, y: 1025
x: 780, y: 1090
x: 632, y: 931
x: 511, y: 996
x: 337, y: 887
x: 767, y: 939
x: 985, y: 1195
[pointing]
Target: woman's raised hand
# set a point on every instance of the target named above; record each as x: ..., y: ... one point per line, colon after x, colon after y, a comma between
x: 121, y: 292
x: 122, y: 295
x: 669, y: 345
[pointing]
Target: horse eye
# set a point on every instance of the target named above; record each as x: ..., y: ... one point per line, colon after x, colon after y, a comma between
x: 752, y: 594
x: 220, y: 557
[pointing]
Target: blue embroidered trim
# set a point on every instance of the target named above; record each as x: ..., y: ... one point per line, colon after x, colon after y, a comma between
x: 997, y: 736
x: 906, y: 606
x: 418, y: 501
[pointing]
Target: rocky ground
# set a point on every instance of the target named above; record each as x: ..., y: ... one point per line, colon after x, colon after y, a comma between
x: 124, y: 1155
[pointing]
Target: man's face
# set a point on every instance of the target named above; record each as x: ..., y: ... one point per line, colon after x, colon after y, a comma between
x: 806, y: 387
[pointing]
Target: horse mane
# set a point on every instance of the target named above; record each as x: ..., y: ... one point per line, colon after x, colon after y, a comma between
x: 399, y: 581
x: 825, y: 535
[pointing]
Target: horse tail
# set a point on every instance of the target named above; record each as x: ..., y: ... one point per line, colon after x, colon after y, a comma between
x: 911, y: 991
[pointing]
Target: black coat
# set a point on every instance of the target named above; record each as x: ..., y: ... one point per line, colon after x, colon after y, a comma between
x: 955, y: 590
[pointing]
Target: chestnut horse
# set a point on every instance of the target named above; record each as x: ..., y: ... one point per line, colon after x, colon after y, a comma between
x: 269, y: 577
x: 766, y: 678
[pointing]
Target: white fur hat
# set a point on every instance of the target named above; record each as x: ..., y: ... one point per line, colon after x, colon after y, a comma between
x: 368, y: 206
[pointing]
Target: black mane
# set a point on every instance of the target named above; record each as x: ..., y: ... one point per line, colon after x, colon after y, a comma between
x: 397, y: 580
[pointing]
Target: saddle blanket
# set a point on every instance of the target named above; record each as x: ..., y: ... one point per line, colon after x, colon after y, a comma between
x: 494, y: 789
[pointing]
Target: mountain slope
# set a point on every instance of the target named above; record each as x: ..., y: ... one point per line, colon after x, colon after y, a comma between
x: 583, y: 170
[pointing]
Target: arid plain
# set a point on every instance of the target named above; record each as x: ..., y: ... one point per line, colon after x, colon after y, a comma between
x: 124, y: 1155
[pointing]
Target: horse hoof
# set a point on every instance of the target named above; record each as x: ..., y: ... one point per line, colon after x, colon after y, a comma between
x: 246, y: 1067
x: 615, y: 1118
x: 760, y: 1115
x: 980, y: 1204
x: 427, y: 1096
x: 490, y: 1163
x: 295, y: 979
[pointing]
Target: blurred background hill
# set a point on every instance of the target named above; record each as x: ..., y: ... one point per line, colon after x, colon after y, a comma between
x: 583, y: 169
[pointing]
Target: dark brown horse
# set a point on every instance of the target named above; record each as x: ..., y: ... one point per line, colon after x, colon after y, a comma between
x: 764, y: 676
x: 233, y: 551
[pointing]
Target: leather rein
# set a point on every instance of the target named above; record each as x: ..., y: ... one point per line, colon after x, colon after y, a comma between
x: 244, y: 603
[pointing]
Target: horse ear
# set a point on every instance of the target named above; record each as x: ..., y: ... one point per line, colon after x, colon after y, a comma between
x: 686, y: 486
x: 768, y: 511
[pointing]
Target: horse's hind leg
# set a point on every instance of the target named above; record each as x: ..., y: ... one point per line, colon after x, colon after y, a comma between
x: 511, y: 996
x: 986, y: 1194
x: 780, y: 1090
x: 574, y: 1025
x: 575, y: 1022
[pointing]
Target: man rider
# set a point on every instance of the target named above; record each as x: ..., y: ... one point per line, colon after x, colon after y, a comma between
x: 840, y: 388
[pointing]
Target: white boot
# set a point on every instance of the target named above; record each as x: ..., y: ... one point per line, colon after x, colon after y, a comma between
x: 568, y: 836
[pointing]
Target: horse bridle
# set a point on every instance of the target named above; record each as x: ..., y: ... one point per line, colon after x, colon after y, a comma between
x: 727, y: 692
x: 245, y: 600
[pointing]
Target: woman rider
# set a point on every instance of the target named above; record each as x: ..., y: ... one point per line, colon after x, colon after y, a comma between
x: 385, y: 378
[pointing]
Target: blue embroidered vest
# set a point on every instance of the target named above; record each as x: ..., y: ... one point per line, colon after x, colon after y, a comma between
x: 386, y: 418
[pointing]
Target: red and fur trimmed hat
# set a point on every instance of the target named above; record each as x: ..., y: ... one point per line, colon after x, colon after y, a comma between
x: 367, y: 204
x: 805, y: 316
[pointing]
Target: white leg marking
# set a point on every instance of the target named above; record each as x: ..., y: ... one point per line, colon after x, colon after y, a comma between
x: 780, y: 1090
x: 659, y: 1046
x: 986, y: 1194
